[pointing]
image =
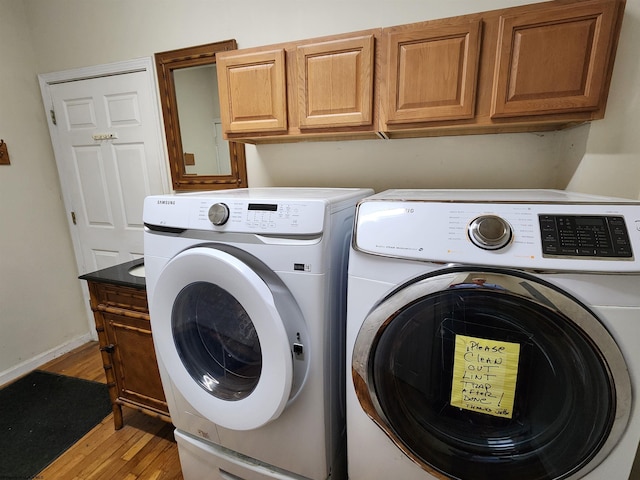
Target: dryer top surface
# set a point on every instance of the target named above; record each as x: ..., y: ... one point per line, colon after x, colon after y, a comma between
x: 497, y: 196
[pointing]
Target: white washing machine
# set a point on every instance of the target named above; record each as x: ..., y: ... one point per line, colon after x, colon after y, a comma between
x: 493, y: 335
x: 247, y: 298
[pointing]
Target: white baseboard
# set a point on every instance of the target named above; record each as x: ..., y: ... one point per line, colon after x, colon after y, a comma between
x: 33, y: 363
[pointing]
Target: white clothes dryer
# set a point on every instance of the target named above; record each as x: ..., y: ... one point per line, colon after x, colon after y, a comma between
x: 493, y: 334
x: 247, y: 299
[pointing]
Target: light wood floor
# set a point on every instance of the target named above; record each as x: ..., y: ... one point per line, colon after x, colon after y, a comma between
x: 143, y: 449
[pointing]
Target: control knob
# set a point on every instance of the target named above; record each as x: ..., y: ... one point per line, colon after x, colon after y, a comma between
x: 490, y: 232
x: 218, y: 213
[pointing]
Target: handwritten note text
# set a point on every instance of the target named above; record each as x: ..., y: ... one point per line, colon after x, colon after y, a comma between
x: 484, y: 375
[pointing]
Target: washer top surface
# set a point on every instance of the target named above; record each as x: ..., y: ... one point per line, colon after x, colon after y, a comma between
x: 266, y: 211
x: 530, y: 229
x: 278, y: 193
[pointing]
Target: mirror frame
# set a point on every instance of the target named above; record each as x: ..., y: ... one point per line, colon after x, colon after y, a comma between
x: 166, y: 63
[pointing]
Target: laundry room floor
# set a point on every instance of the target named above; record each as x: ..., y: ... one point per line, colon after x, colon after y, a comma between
x: 143, y: 449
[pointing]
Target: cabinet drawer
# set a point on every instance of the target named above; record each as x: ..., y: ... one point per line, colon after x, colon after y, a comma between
x: 119, y: 296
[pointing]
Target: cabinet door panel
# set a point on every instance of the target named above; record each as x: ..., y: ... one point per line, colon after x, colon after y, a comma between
x: 136, y: 367
x: 253, y: 92
x: 335, y: 83
x: 554, y: 60
x: 432, y: 72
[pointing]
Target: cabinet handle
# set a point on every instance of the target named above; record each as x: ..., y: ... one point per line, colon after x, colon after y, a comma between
x: 108, y: 348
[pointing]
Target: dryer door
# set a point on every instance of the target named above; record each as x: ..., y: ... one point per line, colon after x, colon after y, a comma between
x: 485, y: 374
x: 230, y: 334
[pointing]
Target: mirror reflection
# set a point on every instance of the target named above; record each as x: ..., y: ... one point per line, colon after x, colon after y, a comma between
x: 199, y: 157
x: 205, y: 151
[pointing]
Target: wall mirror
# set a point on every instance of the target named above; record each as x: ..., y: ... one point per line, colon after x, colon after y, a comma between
x: 199, y: 157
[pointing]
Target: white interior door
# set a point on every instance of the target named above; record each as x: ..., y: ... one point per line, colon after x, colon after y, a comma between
x: 109, y: 151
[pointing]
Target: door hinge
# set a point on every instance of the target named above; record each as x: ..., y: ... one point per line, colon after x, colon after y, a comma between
x: 73, y: 218
x: 52, y: 112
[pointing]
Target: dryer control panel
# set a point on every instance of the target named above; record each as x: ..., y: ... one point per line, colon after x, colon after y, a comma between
x: 585, y: 236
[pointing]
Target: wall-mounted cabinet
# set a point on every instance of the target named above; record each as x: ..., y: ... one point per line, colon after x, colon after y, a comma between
x: 529, y: 68
x: 539, y: 67
x: 555, y: 60
x: 335, y: 83
x: 431, y: 71
x: 313, y: 88
x: 255, y: 92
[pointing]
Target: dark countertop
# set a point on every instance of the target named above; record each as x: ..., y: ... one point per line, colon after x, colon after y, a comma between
x: 118, y: 275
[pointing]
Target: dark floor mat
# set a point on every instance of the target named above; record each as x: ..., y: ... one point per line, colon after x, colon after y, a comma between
x: 42, y: 415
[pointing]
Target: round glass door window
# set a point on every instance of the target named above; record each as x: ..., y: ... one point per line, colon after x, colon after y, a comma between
x: 216, y: 341
x: 492, y: 376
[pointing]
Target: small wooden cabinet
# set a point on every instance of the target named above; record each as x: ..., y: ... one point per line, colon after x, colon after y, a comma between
x: 124, y: 333
x: 534, y: 67
x: 431, y: 70
x: 538, y: 67
x: 322, y: 87
x: 335, y: 83
x: 554, y: 61
x: 255, y: 92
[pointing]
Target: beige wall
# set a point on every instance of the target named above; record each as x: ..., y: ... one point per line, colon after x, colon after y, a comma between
x: 611, y: 165
x: 41, y: 305
x: 76, y: 33
x: 40, y: 36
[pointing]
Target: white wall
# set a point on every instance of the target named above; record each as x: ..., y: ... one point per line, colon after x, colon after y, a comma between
x: 40, y: 36
x: 41, y: 306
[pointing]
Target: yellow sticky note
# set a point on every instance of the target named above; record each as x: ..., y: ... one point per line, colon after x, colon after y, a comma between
x: 484, y: 375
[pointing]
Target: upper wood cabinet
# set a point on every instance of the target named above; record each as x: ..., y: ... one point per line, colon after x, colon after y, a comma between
x: 528, y: 68
x: 431, y: 71
x: 253, y: 91
x: 540, y: 67
x: 554, y: 60
x: 335, y: 83
x: 291, y: 91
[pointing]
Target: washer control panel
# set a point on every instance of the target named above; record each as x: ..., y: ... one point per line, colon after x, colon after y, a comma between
x: 272, y: 217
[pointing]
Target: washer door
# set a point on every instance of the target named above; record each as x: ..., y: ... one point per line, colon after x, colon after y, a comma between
x: 485, y: 374
x: 226, y: 328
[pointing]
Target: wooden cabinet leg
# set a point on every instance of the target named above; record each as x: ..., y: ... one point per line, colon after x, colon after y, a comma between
x: 117, y: 416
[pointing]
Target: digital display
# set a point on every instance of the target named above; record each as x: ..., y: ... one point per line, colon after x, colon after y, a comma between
x: 264, y: 207
x: 589, y: 221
